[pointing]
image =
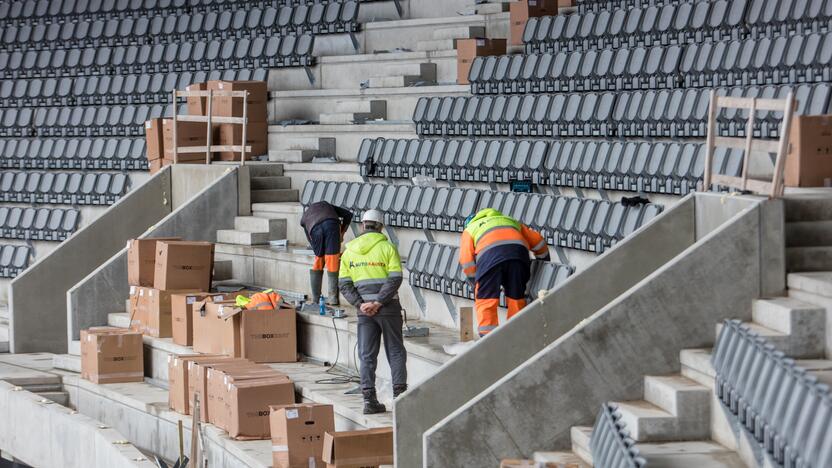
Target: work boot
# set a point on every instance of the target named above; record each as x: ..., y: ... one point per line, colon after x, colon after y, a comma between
x: 332, y: 298
x: 398, y: 390
x: 316, y: 281
x: 371, y: 404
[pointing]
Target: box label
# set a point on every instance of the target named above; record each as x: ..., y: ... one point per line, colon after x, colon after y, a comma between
x: 292, y: 413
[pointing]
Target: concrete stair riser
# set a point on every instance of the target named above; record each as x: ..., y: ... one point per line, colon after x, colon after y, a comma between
x: 790, y: 316
x: 677, y: 395
x: 809, y: 258
x: 819, y: 283
x: 222, y: 270
x: 231, y: 236
x: 275, y: 227
x: 279, y: 195
x: 649, y: 423
x: 491, y: 8
x: 61, y: 398
x: 459, y: 32
x: 809, y: 234
x: 826, y: 303
x: 425, y: 70
x: 265, y: 170
x: 436, y: 44
x: 400, y: 81
x: 373, y: 107
x: 696, y: 365
x: 270, y: 183
x: 808, y: 208
x: 292, y: 156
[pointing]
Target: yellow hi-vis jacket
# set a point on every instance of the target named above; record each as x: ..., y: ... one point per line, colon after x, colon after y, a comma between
x: 371, y: 271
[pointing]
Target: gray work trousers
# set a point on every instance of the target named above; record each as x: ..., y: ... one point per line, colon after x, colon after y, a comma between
x: 370, y: 332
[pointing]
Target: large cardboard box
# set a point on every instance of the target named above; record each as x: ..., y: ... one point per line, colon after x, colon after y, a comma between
x: 809, y: 162
x: 217, y: 380
x: 154, y: 140
x: 187, y: 134
x: 178, y: 384
x: 181, y: 306
x: 359, y: 449
x: 141, y: 260
x: 197, y: 105
x: 232, y: 134
x: 521, y: 11
x: 468, y: 49
x: 183, y: 265
x: 248, y: 403
x: 256, y: 335
x: 111, y: 355
x: 198, y: 380
x: 298, y: 434
x: 151, y: 311
x: 233, y: 107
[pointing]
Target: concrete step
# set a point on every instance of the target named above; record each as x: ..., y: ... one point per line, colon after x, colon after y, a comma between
x: 819, y: 282
x: 265, y: 170
x: 689, y: 454
x: 426, y: 70
x: 274, y: 182
x: 437, y: 44
x: 346, y: 118
x: 399, y: 81
x: 222, y: 270
x: 565, y: 459
x: 491, y: 8
x: 68, y: 362
x: 681, y: 397
x: 292, y: 155
x: 790, y: 316
x: 322, y: 145
x: 459, y: 32
x: 809, y: 258
x: 808, y: 208
x: 808, y: 233
x: 647, y: 422
x: 696, y: 365
x: 277, y: 195
x: 232, y: 236
x: 373, y: 107
x: 792, y: 346
x: 61, y: 397
x: 580, y: 442
x: 275, y: 227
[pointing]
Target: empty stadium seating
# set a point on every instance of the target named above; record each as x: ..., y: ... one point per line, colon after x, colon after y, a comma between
x: 14, y: 259
x: 785, y: 408
x: 576, y: 223
x: 73, y: 153
x: 62, y: 187
x: 49, y: 224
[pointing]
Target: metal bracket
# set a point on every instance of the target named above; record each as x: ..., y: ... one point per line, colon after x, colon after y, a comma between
x: 309, y: 75
x: 429, y: 235
x: 354, y: 40
x: 578, y: 192
x: 449, y: 303
x: 604, y: 195
x: 399, y: 9
x: 420, y: 299
x: 561, y: 255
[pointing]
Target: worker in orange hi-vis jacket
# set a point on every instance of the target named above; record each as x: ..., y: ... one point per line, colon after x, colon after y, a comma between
x: 494, y: 254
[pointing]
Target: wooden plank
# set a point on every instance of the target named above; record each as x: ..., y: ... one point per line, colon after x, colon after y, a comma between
x: 214, y: 148
x: 726, y: 181
x: 748, y: 103
x: 710, y: 142
x: 214, y: 119
x: 783, y: 149
x: 466, y: 324
x: 236, y: 94
x: 749, y: 131
x: 769, y: 146
x: 729, y: 142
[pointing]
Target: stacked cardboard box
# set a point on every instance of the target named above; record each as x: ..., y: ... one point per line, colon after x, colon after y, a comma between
x: 234, y: 394
x: 256, y: 127
x: 177, y: 267
x: 298, y: 433
x: 468, y: 49
x: 159, y: 135
x: 181, y: 305
x: 257, y: 335
x: 359, y: 449
x: 111, y: 355
x: 809, y: 161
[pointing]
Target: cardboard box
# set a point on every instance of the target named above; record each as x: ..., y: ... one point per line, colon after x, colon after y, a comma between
x: 156, y: 165
x: 183, y: 266
x: 298, y: 434
x: 141, y: 260
x: 468, y: 49
x: 178, y: 384
x: 257, y: 335
x: 217, y: 380
x: 154, y: 140
x: 226, y: 106
x: 521, y: 11
x: 359, y: 449
x: 187, y: 134
x: 197, y: 105
x: 248, y: 403
x: 198, y: 380
x: 151, y: 311
x: 232, y: 134
x: 111, y: 355
x: 181, y: 306
x: 809, y: 162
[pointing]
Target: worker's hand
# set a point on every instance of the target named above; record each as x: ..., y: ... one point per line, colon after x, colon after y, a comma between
x: 368, y: 309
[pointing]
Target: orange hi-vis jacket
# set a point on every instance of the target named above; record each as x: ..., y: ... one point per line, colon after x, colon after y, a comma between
x: 266, y: 300
x: 490, y: 229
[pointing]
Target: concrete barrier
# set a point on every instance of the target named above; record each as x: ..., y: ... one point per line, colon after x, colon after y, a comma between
x: 602, y: 284
x: 213, y: 206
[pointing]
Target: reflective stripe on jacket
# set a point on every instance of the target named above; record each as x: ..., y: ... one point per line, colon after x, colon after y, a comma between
x: 371, y: 270
x: 490, y: 229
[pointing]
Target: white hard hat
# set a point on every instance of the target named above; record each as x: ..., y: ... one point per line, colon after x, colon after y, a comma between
x: 373, y: 215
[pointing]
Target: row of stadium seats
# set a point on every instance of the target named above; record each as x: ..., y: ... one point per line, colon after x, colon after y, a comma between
x: 657, y: 167
x: 79, y: 120
x: 435, y: 266
x: 49, y: 224
x: 153, y: 88
x: 123, y: 154
x: 688, y: 22
x: 665, y: 113
x: 321, y: 18
x: 784, y: 60
x: 274, y: 52
x: 62, y: 187
x: 14, y: 259
x: 27, y: 11
x: 577, y: 223
x: 600, y: 5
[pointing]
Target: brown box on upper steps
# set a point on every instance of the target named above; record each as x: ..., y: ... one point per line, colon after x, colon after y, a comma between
x: 520, y: 12
x: 226, y: 106
x: 468, y: 49
x: 809, y: 161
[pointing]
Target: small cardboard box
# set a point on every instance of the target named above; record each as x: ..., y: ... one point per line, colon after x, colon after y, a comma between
x: 198, y: 380
x: 256, y: 335
x: 197, y: 105
x: 217, y: 380
x: 111, y: 355
x: 521, y: 11
x: 154, y: 138
x: 141, y: 260
x: 468, y: 49
x: 178, y: 379
x: 298, y: 434
x: 809, y: 162
x: 181, y: 306
x: 248, y: 403
x: 183, y: 266
x: 359, y: 449
x: 232, y: 134
x: 151, y: 312
x: 226, y: 106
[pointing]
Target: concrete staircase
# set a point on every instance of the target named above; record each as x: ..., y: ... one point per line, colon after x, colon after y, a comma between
x: 253, y: 230
x: 809, y: 234
x: 445, y: 38
x: 350, y: 112
x: 301, y: 150
x: 404, y: 75
x: 268, y: 184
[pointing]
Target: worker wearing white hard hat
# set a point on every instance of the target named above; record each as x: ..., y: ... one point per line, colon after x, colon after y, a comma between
x: 370, y: 277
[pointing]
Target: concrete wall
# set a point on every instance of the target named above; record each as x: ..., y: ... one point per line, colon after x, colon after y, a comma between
x: 214, y: 207
x: 606, y: 355
x: 38, y: 296
x: 48, y: 435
